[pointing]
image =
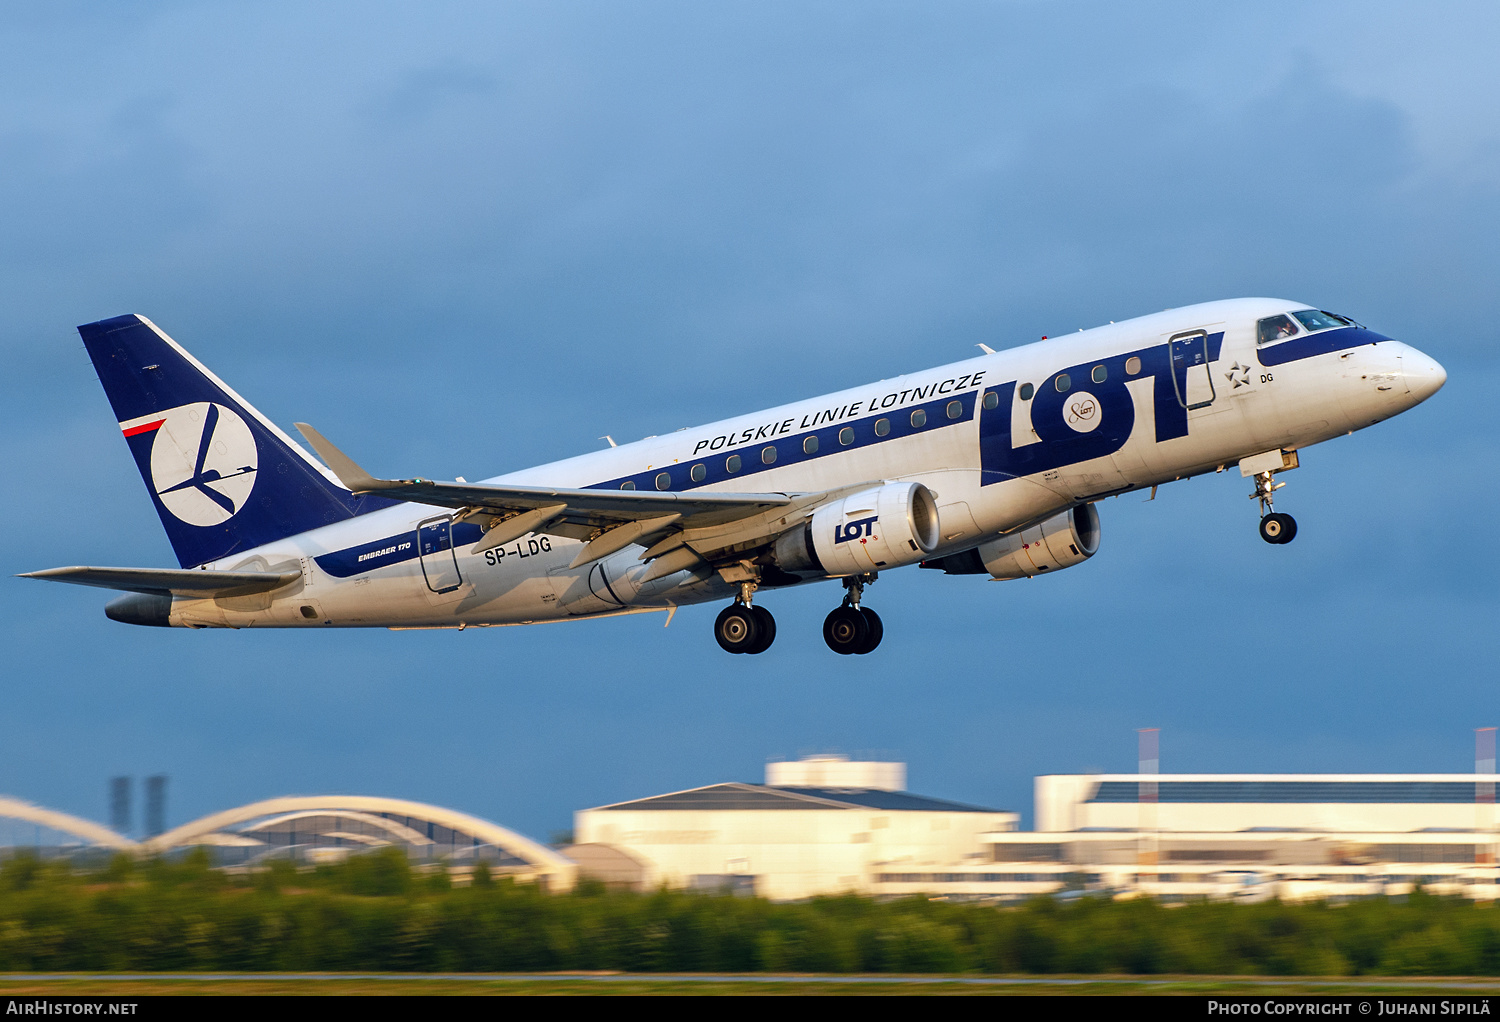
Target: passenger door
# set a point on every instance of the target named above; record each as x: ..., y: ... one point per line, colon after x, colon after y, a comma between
x: 1191, y: 381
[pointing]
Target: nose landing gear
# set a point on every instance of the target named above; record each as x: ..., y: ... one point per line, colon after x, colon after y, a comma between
x: 1275, y: 527
x: 851, y: 628
x: 743, y: 628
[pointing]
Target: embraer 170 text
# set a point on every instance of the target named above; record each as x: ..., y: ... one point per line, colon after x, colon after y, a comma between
x: 989, y: 466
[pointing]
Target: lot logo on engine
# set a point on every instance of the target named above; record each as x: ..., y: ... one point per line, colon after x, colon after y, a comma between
x: 860, y: 530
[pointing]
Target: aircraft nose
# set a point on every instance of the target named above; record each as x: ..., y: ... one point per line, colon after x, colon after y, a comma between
x: 1423, y: 375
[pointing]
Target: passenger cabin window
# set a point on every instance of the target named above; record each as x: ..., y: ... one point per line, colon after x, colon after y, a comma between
x: 810, y: 445
x: 663, y: 480
x: 1313, y: 319
x: 768, y: 455
x: 991, y: 401
x: 699, y: 473
x: 1099, y: 375
x: 1026, y: 391
x: 955, y: 409
x: 1277, y: 328
x: 882, y: 427
x: 1132, y: 365
x: 732, y: 464
x: 627, y: 485
x: 918, y: 418
x: 846, y: 435
x: 1062, y: 383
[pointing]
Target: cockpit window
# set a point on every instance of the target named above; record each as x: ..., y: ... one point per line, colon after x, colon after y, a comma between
x: 1275, y: 329
x: 1312, y: 319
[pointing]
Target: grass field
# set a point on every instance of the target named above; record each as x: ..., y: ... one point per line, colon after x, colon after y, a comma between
x: 618, y: 984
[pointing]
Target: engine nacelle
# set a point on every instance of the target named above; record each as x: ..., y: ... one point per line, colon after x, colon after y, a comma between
x: 886, y: 527
x: 1060, y: 542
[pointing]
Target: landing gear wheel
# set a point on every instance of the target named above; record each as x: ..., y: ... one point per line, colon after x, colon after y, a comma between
x: 876, y: 630
x: 1278, y: 528
x: 737, y: 629
x: 765, y: 626
x: 846, y: 630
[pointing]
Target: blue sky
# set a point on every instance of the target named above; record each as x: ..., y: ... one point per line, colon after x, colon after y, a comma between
x: 468, y: 238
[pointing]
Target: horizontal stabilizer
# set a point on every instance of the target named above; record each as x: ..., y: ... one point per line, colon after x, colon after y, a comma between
x: 170, y: 581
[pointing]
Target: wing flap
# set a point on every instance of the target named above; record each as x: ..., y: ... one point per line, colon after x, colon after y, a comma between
x: 169, y: 581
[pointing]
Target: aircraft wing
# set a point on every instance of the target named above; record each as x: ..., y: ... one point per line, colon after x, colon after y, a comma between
x: 170, y: 581
x: 591, y: 509
x: 679, y: 529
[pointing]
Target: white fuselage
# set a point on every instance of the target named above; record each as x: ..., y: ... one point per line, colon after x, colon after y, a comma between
x: 991, y: 469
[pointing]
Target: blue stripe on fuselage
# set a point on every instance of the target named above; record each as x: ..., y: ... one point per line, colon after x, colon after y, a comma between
x: 791, y: 449
x: 1308, y: 345
x: 382, y: 553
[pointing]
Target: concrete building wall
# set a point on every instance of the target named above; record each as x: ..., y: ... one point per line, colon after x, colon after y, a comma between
x: 1243, y: 816
x: 1062, y: 804
x: 792, y: 854
x: 836, y: 772
x: 1057, y: 796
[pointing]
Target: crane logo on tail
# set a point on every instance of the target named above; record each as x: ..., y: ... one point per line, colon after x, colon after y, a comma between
x: 203, y: 461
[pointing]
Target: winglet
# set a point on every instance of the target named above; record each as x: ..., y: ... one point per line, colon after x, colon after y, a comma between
x: 350, y: 474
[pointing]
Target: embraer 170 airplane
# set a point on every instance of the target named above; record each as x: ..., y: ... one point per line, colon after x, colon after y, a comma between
x: 988, y: 466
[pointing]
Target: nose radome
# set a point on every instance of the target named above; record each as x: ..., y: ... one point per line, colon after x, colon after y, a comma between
x: 1424, y: 376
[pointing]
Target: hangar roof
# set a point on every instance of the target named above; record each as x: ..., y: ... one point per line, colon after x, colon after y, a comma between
x: 738, y: 796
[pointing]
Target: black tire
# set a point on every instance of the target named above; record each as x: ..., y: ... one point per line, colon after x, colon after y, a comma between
x: 737, y: 629
x: 1278, y: 528
x: 876, y: 629
x: 1289, y: 531
x: 1272, y: 527
x: 765, y: 630
x: 845, y: 630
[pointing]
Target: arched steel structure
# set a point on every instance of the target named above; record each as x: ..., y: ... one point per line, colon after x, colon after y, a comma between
x: 98, y: 834
x: 396, y: 832
x: 560, y: 872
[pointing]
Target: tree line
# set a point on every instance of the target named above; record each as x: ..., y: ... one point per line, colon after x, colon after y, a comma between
x: 375, y: 912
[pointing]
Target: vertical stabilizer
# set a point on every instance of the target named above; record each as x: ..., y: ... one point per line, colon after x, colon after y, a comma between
x: 223, y: 477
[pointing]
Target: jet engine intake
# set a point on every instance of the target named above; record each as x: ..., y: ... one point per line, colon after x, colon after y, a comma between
x: 1060, y: 542
x: 884, y: 527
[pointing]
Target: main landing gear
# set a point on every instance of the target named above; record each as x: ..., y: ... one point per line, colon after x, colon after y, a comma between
x: 743, y: 628
x: 1275, y: 527
x: 851, y: 628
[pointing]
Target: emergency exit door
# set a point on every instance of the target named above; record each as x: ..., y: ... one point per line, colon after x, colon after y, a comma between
x: 439, y: 560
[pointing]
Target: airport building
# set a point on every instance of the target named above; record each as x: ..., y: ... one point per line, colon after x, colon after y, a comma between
x: 822, y: 825
x: 1246, y: 836
x: 827, y: 825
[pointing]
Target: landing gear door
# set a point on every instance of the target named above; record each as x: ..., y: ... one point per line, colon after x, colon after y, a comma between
x: 1191, y: 381
x: 439, y: 559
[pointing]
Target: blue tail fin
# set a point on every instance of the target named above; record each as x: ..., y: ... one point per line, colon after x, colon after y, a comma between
x: 222, y: 476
